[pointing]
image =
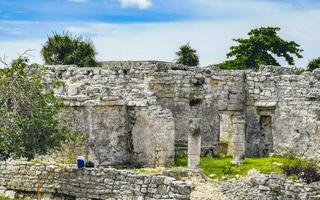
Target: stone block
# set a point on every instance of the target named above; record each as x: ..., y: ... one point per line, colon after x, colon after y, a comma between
x: 193, y: 161
x: 194, y: 143
x: 11, y: 194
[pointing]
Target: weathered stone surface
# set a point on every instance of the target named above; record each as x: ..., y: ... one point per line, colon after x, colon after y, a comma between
x: 274, y: 186
x: 68, y: 182
x: 153, y: 137
x: 194, y: 144
x: 238, y: 139
x: 281, y: 109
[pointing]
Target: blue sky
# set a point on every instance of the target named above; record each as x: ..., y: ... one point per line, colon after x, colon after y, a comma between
x: 153, y: 29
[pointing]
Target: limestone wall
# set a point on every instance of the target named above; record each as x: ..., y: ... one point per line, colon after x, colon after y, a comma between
x: 67, y: 182
x: 132, y: 110
x: 121, y: 116
x: 292, y: 103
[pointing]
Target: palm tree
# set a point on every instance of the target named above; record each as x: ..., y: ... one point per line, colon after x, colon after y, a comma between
x: 67, y: 49
x: 314, y: 64
x: 187, y: 56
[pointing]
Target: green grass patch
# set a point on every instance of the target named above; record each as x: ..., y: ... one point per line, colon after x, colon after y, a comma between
x: 221, y: 167
x: 6, y: 198
x: 150, y: 170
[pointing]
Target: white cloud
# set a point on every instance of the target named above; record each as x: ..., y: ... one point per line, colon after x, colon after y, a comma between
x: 78, y: 1
x: 12, y: 49
x: 141, y: 4
x: 212, y: 37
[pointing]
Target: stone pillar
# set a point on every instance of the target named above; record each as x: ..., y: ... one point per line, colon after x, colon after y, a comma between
x: 194, y: 143
x: 226, y: 130
x: 238, y: 139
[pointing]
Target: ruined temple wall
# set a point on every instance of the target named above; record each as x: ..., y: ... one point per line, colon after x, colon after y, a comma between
x: 47, y: 181
x: 184, y: 93
x: 106, y: 128
x: 261, y: 100
x: 225, y: 90
x: 202, y: 93
x: 147, y: 100
x: 112, y: 105
x: 152, y: 137
x: 121, y: 90
x: 297, y: 121
x: 291, y: 101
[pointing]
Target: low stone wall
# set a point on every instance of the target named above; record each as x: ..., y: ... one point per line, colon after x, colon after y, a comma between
x: 273, y: 186
x: 68, y: 182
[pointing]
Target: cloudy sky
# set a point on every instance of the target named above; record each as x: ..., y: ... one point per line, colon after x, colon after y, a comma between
x: 154, y: 29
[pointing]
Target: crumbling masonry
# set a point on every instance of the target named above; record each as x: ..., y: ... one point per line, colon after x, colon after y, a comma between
x: 140, y: 111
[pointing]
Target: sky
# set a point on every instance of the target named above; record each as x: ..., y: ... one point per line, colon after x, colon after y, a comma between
x: 154, y: 29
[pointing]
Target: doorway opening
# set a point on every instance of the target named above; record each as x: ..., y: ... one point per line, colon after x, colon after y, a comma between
x: 266, y: 138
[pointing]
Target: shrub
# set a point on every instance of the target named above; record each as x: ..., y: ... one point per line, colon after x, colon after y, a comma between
x: 28, y: 124
x: 66, y: 49
x: 308, y: 172
x: 310, y: 175
x: 292, y: 170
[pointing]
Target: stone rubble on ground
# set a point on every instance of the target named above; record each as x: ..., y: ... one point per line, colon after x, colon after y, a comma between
x: 255, y: 186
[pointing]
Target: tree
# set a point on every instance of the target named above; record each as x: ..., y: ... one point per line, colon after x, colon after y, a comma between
x: 314, y: 64
x: 66, y: 49
x: 187, y: 56
x: 28, y: 124
x: 259, y: 49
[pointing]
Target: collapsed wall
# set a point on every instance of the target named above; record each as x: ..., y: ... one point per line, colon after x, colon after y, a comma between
x: 268, y: 186
x: 139, y: 111
x: 68, y: 182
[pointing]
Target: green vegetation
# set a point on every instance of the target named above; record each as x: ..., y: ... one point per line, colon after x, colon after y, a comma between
x: 75, y: 146
x: 150, y: 170
x: 314, y: 64
x: 307, y: 171
x: 298, y: 71
x: 224, y: 138
x: 259, y: 49
x: 6, y: 198
x: 67, y: 49
x: 187, y: 56
x: 221, y: 167
x: 27, y: 112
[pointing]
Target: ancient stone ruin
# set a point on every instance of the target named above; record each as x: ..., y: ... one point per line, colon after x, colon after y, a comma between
x: 146, y: 113
x: 140, y: 111
x: 68, y: 182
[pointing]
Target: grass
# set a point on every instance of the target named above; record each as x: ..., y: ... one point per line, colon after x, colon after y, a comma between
x: 150, y: 170
x: 221, y: 167
x: 6, y: 198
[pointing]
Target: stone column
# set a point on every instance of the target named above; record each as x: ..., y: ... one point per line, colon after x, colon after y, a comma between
x: 238, y: 139
x: 194, y: 143
x: 226, y: 130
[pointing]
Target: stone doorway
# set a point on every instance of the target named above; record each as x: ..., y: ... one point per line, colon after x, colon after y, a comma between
x: 266, y: 138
